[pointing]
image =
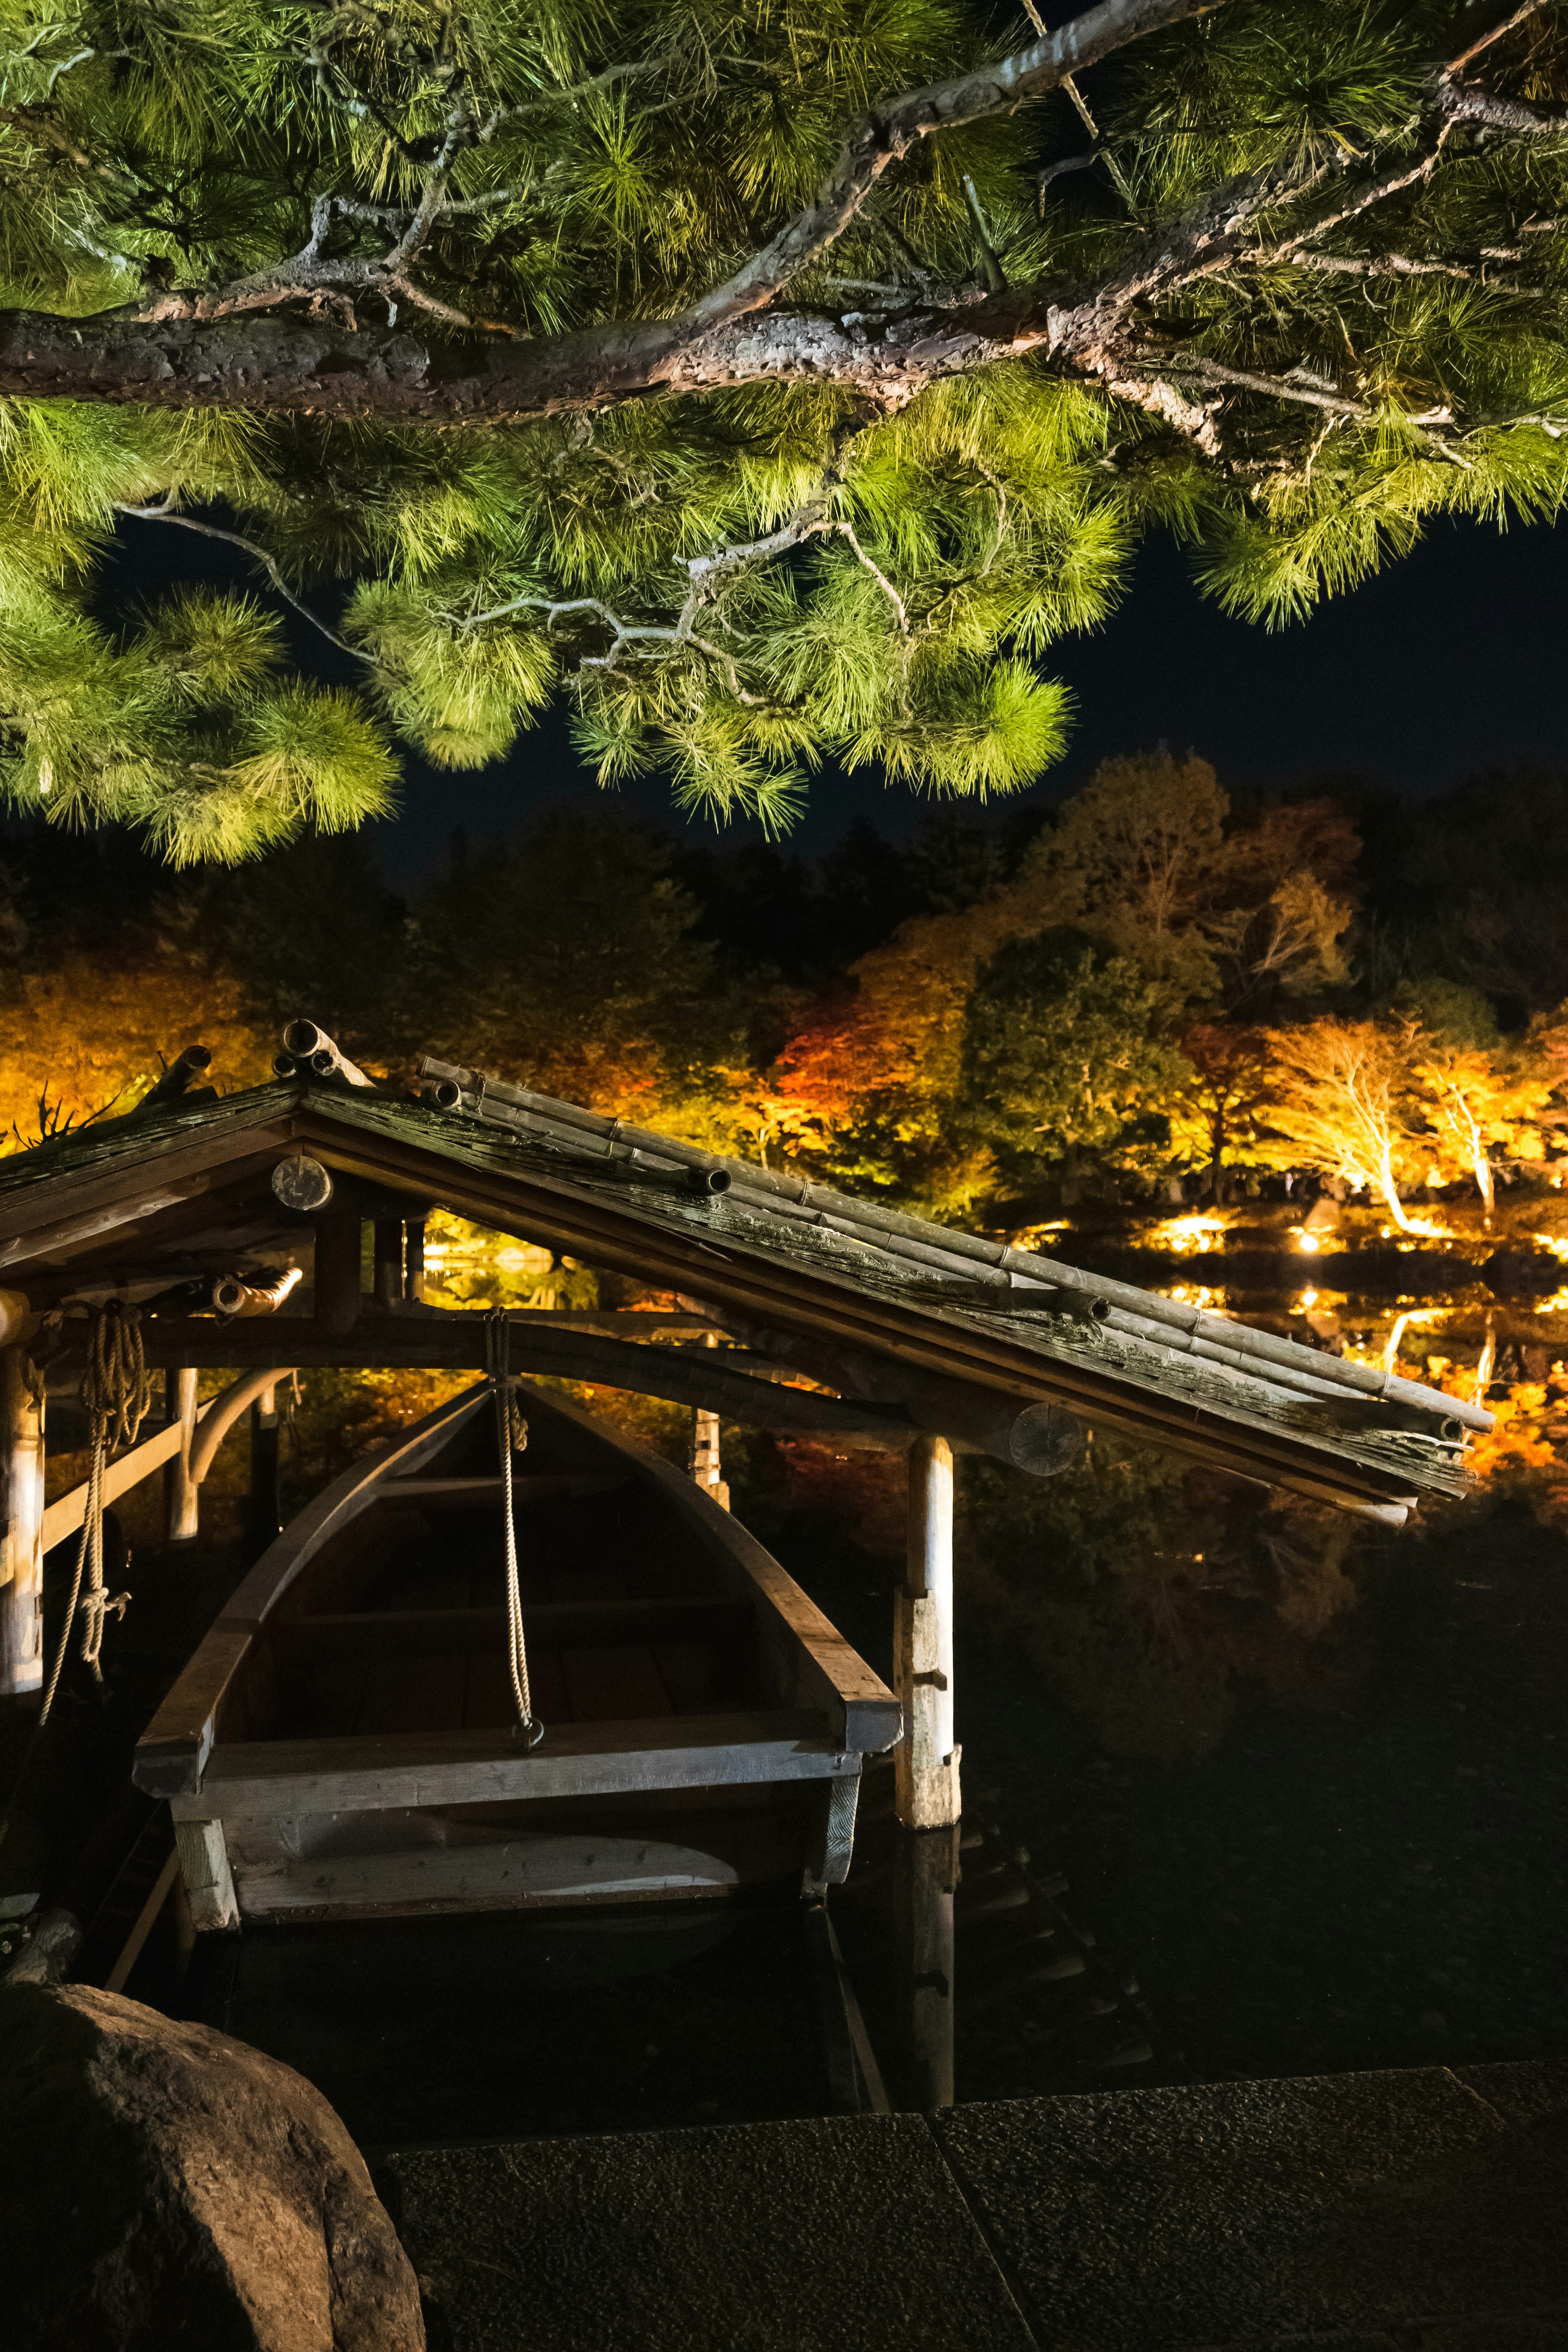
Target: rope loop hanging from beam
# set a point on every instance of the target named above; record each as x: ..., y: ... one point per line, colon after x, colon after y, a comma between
x: 511, y: 1437
x: 116, y: 1394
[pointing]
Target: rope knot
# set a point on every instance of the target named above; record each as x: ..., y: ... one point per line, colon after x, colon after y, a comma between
x: 116, y: 1394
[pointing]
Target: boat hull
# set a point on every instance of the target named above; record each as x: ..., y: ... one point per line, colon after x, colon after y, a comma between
x: 345, y: 1743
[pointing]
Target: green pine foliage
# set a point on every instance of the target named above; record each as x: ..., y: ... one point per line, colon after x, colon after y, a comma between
x: 731, y: 587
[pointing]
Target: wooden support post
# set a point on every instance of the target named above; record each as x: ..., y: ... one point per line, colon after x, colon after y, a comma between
x: 182, y: 1495
x: 414, y: 1261
x: 926, y: 1764
x: 388, y: 1282
x: 925, y: 1874
x: 706, y: 1467
x: 22, y: 1565
x: 264, y: 1511
x: 337, y: 1275
x: 208, y: 1881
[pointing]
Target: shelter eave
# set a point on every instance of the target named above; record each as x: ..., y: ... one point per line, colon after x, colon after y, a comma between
x: 139, y: 1188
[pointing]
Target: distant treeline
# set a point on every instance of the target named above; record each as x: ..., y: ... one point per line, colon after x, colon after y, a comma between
x: 1153, y: 985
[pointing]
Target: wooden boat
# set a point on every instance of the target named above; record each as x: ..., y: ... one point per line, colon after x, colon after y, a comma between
x: 344, y: 1742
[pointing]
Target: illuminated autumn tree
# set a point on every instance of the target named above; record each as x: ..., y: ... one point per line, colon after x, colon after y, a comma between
x: 1149, y: 860
x: 1475, y: 1106
x: 92, y: 1031
x: 1216, y: 1119
x: 1287, y: 946
x: 1134, y: 859
x: 1146, y: 863
x: 1341, y: 1106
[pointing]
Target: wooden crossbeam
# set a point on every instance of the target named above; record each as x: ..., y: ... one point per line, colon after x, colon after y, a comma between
x: 278, y: 1779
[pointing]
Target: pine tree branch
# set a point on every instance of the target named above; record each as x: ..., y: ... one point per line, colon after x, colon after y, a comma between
x: 235, y: 347
x: 1277, y: 387
x: 675, y: 636
x: 260, y: 555
x: 887, y: 136
x: 1509, y: 24
x: 812, y: 519
x: 1484, y: 110
x: 846, y: 531
x: 1381, y: 265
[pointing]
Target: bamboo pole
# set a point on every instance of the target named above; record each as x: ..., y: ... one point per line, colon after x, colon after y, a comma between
x: 182, y: 1502
x: 926, y: 1766
x: 22, y: 1567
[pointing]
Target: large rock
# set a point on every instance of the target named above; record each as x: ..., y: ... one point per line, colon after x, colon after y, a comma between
x: 163, y: 2186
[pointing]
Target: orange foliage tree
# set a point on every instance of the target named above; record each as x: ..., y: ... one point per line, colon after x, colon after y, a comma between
x: 1147, y: 863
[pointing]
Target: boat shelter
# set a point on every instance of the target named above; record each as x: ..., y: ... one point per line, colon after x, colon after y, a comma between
x: 283, y: 1227
x: 236, y: 1224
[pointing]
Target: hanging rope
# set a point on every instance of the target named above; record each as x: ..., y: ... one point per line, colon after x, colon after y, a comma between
x: 116, y: 1392
x: 511, y: 1437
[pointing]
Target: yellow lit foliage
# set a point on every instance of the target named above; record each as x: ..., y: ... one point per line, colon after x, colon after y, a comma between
x: 93, y: 1034
x: 1475, y: 1106
x: 1339, y: 1107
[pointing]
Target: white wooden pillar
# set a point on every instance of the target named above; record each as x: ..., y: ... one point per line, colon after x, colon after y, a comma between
x: 22, y: 1567
x: 926, y: 1764
x: 706, y: 1467
x: 182, y: 1502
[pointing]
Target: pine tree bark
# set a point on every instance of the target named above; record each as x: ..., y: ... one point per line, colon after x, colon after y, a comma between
x: 277, y: 361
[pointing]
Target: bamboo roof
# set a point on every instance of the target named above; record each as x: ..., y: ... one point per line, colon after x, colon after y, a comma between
x: 139, y: 1203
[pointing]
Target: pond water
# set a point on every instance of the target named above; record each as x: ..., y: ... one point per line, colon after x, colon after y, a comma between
x: 1306, y: 1781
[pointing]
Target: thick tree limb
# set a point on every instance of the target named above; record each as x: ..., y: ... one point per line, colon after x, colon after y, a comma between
x: 267, y: 361
x: 239, y: 348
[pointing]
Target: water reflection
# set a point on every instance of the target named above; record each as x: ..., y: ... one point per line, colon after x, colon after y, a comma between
x: 1305, y: 1778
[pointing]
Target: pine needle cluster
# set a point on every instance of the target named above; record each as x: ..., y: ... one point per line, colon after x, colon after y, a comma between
x: 1289, y: 277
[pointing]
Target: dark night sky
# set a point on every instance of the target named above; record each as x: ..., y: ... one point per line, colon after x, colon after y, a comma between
x: 1449, y: 660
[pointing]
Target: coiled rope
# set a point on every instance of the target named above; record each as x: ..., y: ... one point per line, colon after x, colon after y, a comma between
x: 116, y: 1392
x: 511, y: 1437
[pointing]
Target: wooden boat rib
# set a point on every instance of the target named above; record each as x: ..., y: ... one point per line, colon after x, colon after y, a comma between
x: 344, y: 1741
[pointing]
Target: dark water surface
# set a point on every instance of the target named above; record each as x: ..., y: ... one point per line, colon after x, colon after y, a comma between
x: 1383, y: 1883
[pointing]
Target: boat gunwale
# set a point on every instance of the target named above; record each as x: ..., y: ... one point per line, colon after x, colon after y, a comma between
x: 815, y: 1668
